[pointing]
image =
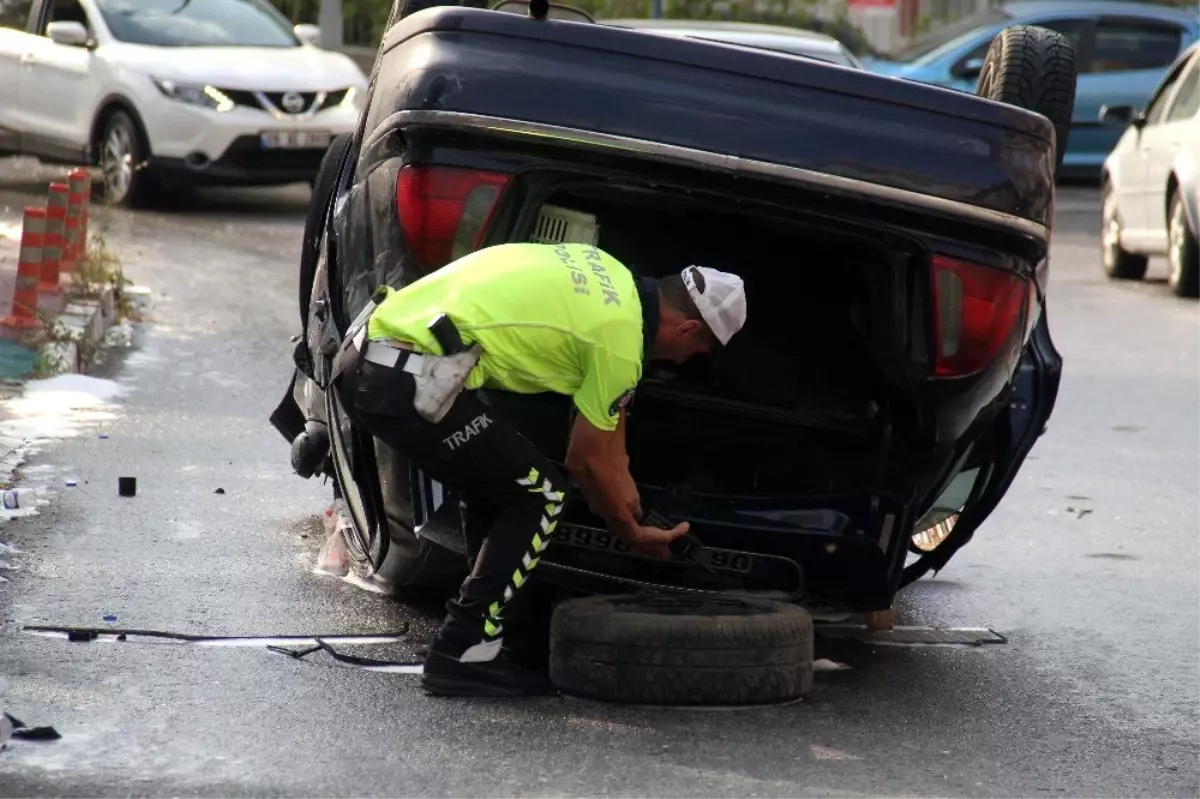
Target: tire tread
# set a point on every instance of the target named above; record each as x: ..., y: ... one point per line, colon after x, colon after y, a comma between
x: 632, y: 654
x: 1033, y: 68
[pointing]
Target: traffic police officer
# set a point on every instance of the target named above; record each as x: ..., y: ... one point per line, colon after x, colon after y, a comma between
x: 529, y: 318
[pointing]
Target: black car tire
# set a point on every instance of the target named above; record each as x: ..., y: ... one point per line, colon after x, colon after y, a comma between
x: 386, y: 552
x: 1033, y: 68
x: 122, y: 148
x: 680, y: 650
x: 1183, y: 252
x: 314, y: 223
x: 1118, y: 263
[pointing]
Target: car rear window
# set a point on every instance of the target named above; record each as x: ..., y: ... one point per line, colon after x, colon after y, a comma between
x: 1126, y: 45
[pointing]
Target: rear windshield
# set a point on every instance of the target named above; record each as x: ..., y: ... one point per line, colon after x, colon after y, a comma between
x: 197, y: 23
x: 925, y: 45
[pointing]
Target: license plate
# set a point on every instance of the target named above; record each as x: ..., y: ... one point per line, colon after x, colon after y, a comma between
x: 604, y: 541
x: 295, y: 139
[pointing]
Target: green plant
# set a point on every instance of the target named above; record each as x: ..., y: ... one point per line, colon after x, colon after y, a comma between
x: 100, y: 269
x: 49, y: 362
x: 49, y: 359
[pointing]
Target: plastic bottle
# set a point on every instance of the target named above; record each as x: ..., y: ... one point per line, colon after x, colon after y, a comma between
x: 19, y: 498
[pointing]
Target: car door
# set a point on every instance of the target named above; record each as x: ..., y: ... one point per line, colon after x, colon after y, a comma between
x: 1161, y: 142
x: 55, y: 88
x: 1135, y: 191
x: 1129, y: 57
x: 14, y: 38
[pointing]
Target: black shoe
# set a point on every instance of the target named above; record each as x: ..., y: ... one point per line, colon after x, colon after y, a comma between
x: 446, y: 675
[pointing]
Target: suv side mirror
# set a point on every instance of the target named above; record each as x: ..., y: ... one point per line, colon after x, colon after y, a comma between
x: 309, y: 34
x: 968, y: 70
x: 72, y: 34
x: 1121, y: 116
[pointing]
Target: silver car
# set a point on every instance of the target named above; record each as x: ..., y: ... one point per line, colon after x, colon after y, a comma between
x: 1151, y: 182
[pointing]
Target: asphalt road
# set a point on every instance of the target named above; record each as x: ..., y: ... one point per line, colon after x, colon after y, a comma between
x: 1090, y: 566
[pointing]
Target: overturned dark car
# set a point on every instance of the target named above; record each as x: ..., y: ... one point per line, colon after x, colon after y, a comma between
x: 896, y: 368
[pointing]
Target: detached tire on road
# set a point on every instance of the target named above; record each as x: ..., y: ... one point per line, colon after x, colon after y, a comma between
x: 679, y: 650
x: 1033, y: 68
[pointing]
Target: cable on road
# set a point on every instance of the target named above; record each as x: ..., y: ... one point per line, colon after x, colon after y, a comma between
x: 84, y: 634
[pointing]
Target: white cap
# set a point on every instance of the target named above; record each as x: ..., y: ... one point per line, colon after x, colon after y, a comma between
x: 722, y: 303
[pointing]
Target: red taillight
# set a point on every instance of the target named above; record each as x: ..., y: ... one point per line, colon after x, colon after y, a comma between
x: 445, y: 210
x: 978, y: 308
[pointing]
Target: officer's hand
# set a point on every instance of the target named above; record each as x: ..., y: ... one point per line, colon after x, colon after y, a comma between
x: 654, y: 540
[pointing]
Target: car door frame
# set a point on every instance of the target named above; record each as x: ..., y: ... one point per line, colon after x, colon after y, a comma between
x: 13, y: 43
x: 1161, y: 152
x: 46, y: 140
x: 1135, y: 191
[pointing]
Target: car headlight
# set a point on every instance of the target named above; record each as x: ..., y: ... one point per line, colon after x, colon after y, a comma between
x: 195, y: 94
x: 356, y: 99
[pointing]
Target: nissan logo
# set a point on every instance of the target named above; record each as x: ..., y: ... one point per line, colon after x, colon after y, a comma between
x: 293, y: 102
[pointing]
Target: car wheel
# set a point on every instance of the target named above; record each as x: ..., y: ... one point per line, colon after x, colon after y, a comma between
x: 122, y: 156
x: 1119, y: 264
x: 1183, y: 252
x: 1033, y: 68
x: 383, y: 548
x: 681, y: 650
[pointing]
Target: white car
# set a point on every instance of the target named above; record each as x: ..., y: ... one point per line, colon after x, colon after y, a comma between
x: 1152, y: 182
x: 196, y: 91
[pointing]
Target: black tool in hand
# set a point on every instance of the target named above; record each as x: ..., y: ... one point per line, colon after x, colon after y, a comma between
x: 686, y: 546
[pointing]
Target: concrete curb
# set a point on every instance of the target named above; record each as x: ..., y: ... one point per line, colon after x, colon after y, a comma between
x: 86, y: 320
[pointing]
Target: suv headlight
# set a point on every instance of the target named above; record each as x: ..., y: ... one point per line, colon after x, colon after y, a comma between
x: 356, y: 98
x: 195, y: 94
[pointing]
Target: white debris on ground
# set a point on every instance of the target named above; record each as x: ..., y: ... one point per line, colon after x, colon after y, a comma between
x: 119, y: 336
x: 137, y: 296
x: 334, y: 558
x: 47, y: 410
x: 60, y: 407
x: 829, y: 753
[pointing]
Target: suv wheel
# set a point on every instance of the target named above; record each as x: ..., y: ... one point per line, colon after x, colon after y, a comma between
x: 122, y: 156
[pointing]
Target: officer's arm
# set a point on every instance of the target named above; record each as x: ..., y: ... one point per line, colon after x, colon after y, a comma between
x: 599, y: 464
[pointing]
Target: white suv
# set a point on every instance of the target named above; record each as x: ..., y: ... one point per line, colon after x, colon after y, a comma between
x: 199, y: 91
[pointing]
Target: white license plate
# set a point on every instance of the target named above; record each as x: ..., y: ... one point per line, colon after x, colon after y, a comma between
x: 295, y: 139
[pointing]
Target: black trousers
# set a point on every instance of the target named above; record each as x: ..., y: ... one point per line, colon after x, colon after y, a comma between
x: 512, y: 493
